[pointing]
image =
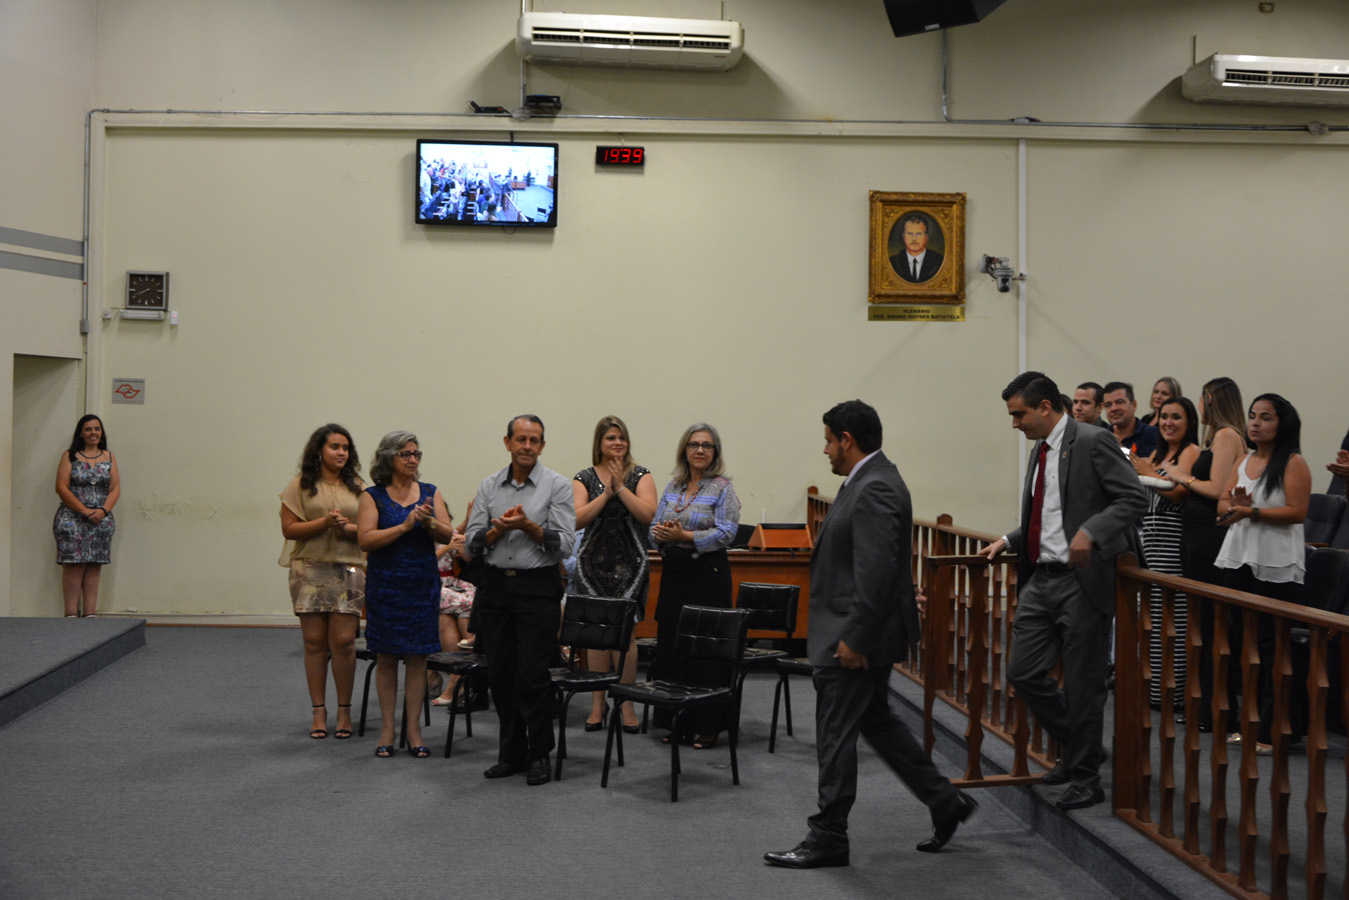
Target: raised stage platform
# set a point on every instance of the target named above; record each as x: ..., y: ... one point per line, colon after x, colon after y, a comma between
x: 43, y: 657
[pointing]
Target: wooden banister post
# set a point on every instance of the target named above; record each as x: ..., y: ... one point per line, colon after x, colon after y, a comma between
x: 1129, y: 699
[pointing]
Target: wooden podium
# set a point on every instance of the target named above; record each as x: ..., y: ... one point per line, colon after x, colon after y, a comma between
x: 771, y: 536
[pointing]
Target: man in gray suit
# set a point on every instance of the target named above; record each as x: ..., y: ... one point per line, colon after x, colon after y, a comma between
x: 863, y: 617
x: 1080, y: 501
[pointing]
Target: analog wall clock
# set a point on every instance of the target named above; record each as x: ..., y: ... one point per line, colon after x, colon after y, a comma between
x: 147, y: 291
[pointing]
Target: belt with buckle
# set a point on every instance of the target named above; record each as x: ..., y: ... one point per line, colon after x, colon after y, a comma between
x: 517, y: 573
x: 1054, y: 568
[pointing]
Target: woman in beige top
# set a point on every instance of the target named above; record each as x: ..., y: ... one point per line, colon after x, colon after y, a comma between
x: 327, y: 567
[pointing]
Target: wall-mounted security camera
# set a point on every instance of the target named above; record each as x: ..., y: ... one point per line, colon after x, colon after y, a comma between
x: 999, y: 268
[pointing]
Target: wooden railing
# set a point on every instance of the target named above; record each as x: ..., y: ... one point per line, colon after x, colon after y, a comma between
x: 1148, y: 799
x: 1157, y: 775
x: 967, y: 632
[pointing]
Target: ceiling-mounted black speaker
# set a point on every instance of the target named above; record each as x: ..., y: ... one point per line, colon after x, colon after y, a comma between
x: 917, y: 16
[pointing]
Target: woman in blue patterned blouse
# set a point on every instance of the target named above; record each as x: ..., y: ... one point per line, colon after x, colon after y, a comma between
x: 695, y: 521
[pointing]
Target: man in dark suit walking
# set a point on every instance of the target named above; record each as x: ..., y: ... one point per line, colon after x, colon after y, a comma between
x: 1080, y: 501
x: 863, y: 617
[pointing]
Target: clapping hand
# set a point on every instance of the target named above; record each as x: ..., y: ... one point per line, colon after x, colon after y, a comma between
x: 420, y: 515
x: 1341, y: 464
x: 1144, y: 466
x: 336, y: 520
x: 1238, y: 507
x: 512, y: 518
x: 670, y: 531
x: 612, y: 476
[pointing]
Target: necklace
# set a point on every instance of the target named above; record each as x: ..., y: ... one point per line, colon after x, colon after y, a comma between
x: 692, y: 495
x: 87, y: 456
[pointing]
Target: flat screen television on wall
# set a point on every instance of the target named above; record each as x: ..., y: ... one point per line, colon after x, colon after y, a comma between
x: 484, y: 184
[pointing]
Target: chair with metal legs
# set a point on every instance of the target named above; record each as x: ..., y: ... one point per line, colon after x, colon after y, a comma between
x: 772, y: 609
x: 590, y: 623
x: 365, y: 653
x: 786, y: 667
x: 469, y: 665
x: 704, y: 634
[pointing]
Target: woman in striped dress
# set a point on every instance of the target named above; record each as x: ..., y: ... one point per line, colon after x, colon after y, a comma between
x: 1179, y: 425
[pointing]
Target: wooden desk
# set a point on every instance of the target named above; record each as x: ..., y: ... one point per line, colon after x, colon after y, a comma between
x: 771, y: 566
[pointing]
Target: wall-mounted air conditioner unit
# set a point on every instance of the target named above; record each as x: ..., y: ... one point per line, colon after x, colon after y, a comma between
x: 1280, y: 80
x: 545, y: 37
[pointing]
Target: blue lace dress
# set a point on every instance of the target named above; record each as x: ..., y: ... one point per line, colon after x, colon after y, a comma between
x: 79, y: 541
x: 402, y: 583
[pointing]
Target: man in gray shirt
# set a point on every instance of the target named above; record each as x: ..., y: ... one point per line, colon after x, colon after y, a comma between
x: 524, y: 522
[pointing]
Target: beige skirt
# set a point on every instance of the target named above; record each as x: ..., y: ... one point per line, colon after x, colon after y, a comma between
x: 319, y: 587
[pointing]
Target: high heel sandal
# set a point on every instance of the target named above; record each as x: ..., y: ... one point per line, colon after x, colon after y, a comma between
x: 319, y: 734
x: 343, y: 733
x: 599, y: 726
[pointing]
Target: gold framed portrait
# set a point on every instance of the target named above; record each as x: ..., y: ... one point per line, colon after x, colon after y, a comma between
x: 917, y: 248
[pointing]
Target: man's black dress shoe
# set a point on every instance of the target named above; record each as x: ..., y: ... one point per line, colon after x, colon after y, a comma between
x: 504, y: 770
x: 1079, y: 796
x: 1061, y: 774
x: 807, y: 856
x: 540, y: 772
x: 942, y: 832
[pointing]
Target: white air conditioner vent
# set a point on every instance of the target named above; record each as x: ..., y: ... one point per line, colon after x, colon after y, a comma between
x: 629, y: 41
x: 1280, y: 80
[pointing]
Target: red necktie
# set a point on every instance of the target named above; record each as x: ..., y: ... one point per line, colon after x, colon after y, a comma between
x: 1037, y: 504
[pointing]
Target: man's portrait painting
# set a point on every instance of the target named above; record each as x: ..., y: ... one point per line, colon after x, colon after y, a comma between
x: 917, y: 248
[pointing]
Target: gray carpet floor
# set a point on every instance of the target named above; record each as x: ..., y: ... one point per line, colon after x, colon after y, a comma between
x: 185, y: 770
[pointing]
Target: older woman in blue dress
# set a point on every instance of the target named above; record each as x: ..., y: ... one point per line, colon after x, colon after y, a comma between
x: 399, y: 522
x: 88, y: 485
x: 695, y: 521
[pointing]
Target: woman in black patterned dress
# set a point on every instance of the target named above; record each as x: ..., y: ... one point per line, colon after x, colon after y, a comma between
x: 87, y: 483
x: 615, y: 500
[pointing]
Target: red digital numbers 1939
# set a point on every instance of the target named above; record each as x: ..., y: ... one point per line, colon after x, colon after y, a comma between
x: 620, y: 156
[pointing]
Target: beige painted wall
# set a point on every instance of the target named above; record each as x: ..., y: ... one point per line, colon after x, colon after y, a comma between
x: 46, y: 67
x: 42, y: 386
x: 725, y: 282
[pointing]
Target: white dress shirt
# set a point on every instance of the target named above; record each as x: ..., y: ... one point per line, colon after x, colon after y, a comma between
x: 1053, y: 540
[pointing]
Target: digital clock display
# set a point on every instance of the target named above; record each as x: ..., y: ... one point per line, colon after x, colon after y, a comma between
x: 620, y: 156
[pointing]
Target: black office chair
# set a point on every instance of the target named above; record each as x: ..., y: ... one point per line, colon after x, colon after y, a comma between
x: 1325, y: 512
x: 1340, y: 539
x: 590, y: 623
x: 365, y: 653
x: 471, y: 667
x: 707, y: 635
x: 1325, y: 586
x: 786, y: 667
x: 772, y: 608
